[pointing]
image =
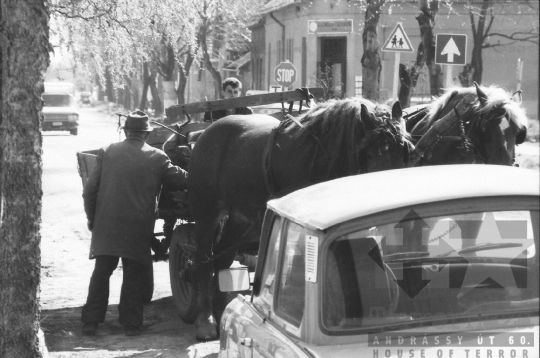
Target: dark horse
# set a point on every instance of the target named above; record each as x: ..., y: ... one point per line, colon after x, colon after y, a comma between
x: 487, y: 134
x: 239, y: 162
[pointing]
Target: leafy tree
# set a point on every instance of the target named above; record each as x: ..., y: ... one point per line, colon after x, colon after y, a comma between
x: 24, y: 58
x: 121, y: 35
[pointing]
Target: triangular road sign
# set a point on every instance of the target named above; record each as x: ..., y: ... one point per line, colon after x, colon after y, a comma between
x: 398, y: 41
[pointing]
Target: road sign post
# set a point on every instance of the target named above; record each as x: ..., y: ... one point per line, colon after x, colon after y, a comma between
x: 285, y: 74
x: 397, y: 42
x: 450, y: 50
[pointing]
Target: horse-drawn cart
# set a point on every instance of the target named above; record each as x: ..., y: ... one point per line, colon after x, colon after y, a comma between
x: 176, y: 141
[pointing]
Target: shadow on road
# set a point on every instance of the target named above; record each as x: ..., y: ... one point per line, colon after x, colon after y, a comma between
x: 164, y: 335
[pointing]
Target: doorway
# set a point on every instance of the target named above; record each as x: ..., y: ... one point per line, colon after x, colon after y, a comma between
x: 332, y: 66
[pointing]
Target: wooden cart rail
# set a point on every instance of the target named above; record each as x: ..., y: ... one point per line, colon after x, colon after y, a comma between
x: 254, y: 100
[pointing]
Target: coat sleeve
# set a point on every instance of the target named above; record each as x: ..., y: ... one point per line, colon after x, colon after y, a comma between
x: 91, y: 188
x: 174, y: 178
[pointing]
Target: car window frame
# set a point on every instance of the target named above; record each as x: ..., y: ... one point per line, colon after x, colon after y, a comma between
x: 439, y: 208
x: 284, y: 239
x: 271, y: 219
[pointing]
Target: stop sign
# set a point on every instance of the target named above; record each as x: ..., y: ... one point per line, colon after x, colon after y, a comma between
x: 285, y: 74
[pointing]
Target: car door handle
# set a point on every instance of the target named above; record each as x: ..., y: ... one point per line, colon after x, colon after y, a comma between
x: 246, y: 342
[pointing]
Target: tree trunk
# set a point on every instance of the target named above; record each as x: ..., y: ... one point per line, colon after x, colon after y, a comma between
x: 165, y: 65
x: 426, y: 20
x: 183, y: 75
x: 101, y: 92
x: 208, y: 64
x: 127, y: 93
x: 109, y: 88
x: 24, y: 58
x: 371, y: 59
x: 408, y: 77
x: 479, y: 34
x: 157, y: 104
x: 146, y: 84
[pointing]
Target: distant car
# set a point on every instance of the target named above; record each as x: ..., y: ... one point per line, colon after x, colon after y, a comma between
x: 59, y: 112
x: 438, y: 261
x: 85, y: 97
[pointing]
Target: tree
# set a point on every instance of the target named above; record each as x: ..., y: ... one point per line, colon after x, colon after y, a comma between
x: 425, y: 56
x: 482, y: 19
x: 371, y: 59
x: 24, y: 58
x: 121, y: 35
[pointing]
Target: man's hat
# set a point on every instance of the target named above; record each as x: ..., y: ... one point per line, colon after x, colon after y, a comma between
x: 137, y: 121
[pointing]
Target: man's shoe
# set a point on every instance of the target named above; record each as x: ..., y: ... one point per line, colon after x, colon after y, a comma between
x: 89, y: 329
x: 132, y: 330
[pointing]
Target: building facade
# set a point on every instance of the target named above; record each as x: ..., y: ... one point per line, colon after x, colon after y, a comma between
x: 325, y: 36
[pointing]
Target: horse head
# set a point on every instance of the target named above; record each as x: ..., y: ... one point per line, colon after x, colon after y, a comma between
x: 493, y: 127
x: 386, y: 145
x: 497, y: 125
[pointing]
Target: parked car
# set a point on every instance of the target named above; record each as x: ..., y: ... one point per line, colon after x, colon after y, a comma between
x: 419, y: 262
x: 59, y: 112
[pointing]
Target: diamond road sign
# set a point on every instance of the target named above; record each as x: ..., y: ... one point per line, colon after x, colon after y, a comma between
x: 451, y: 49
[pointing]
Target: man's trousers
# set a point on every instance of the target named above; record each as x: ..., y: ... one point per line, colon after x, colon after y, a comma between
x: 130, y: 308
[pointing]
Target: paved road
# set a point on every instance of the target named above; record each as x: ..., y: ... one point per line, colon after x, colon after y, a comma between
x: 66, y: 269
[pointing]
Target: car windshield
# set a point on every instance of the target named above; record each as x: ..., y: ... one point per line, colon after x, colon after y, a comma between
x: 423, y: 268
x: 57, y: 100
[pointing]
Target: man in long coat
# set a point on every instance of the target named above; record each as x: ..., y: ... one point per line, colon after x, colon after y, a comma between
x: 120, y: 201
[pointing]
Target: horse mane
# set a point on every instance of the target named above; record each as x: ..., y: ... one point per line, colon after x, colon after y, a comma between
x: 336, y: 129
x: 497, y: 97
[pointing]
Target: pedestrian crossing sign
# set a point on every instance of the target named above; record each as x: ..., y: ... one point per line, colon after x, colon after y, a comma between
x: 398, y: 41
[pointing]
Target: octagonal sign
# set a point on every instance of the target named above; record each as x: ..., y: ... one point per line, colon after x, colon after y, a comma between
x: 285, y: 74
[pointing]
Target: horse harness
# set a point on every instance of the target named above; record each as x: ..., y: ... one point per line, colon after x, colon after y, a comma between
x: 465, y: 132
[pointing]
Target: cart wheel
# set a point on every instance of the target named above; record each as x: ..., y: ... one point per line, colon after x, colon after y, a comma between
x: 182, y: 272
x: 148, y: 282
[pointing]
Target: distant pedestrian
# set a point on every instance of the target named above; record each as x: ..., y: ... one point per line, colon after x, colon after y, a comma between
x: 120, y: 201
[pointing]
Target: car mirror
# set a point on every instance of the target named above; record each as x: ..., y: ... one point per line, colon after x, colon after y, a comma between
x: 234, y: 279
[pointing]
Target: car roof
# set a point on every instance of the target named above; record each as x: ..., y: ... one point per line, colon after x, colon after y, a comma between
x: 326, y: 204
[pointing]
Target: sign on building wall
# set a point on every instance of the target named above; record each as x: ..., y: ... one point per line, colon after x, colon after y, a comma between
x: 331, y: 26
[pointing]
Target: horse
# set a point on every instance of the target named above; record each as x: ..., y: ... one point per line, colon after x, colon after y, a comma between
x: 487, y: 134
x: 240, y: 162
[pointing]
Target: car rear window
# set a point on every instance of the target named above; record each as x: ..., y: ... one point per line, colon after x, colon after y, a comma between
x: 418, y: 269
x: 57, y: 100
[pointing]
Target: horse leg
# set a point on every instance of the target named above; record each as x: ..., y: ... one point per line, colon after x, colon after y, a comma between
x: 225, y: 251
x: 205, y: 232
